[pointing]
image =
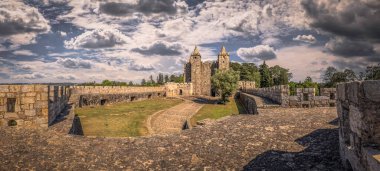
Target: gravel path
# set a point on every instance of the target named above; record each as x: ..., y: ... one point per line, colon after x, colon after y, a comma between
x: 172, y: 120
x: 276, y: 139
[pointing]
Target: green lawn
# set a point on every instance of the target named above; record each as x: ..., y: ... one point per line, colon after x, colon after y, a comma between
x: 216, y: 111
x: 122, y: 119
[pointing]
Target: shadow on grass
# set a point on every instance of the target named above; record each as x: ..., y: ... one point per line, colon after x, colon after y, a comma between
x: 321, y: 153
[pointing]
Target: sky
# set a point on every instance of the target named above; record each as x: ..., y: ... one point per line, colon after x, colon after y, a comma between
x: 128, y: 40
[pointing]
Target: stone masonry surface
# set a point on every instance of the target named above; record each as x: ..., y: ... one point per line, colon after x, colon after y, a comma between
x: 358, y: 108
x: 31, y: 105
x: 277, y: 139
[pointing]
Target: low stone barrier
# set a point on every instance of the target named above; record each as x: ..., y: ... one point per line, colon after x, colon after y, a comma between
x: 103, y: 99
x: 358, y: 106
x: 248, y: 101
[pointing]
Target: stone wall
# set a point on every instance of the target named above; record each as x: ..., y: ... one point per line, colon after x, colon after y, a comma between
x: 358, y: 106
x: 113, y: 89
x: 179, y: 89
x: 278, y: 94
x: 306, y: 98
x: 246, y: 85
x: 103, y: 99
x: 31, y: 105
x: 248, y: 101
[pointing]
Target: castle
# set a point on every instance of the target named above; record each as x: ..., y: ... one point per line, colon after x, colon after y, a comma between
x: 199, y: 73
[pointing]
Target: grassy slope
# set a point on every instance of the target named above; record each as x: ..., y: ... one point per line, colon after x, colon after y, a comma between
x: 121, y: 120
x: 216, y: 111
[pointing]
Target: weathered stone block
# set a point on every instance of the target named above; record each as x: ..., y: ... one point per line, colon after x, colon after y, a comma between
x: 31, y: 94
x: 341, y: 91
x: 15, y: 88
x: 45, y: 112
x: 41, y: 88
x: 27, y: 88
x: 26, y: 100
x: 10, y: 115
x: 352, y: 90
x: 4, y: 88
x: 41, y: 104
x: 30, y: 112
x: 372, y: 90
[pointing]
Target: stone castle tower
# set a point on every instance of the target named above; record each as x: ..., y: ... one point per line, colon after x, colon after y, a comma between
x: 199, y: 73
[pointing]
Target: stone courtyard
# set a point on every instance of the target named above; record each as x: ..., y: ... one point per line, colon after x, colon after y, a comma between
x: 277, y: 139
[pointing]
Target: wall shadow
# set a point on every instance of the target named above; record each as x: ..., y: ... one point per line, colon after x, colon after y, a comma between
x: 321, y: 153
x: 62, y: 116
x: 76, y: 127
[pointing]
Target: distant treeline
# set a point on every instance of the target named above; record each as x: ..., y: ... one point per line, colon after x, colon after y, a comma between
x: 160, y: 80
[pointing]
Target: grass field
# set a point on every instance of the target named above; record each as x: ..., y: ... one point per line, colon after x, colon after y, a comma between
x: 216, y: 111
x: 122, y: 119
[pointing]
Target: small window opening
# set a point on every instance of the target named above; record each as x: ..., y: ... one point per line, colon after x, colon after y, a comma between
x: 332, y: 96
x: 103, y: 102
x: 305, y: 97
x: 12, y: 123
x: 149, y: 96
x: 180, y: 92
x: 11, y: 103
x: 133, y: 98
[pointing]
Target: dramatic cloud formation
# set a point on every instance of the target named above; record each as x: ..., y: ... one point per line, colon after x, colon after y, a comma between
x: 101, y: 38
x: 74, y: 63
x: 305, y: 38
x: 160, y: 48
x: 144, y: 6
x: 257, y: 53
x: 348, y: 48
x: 350, y: 18
x: 133, y: 39
x: 20, y: 23
x: 136, y: 67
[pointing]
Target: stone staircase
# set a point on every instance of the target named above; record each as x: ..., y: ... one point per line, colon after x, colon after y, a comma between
x: 172, y: 120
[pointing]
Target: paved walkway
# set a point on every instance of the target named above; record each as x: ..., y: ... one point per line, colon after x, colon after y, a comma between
x: 172, y: 120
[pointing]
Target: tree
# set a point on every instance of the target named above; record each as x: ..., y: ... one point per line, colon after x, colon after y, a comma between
x: 372, y: 72
x: 106, y: 83
x: 225, y: 82
x: 167, y: 78
x: 248, y: 72
x: 265, y: 80
x: 143, y: 82
x: 130, y: 83
x: 327, y: 76
x: 279, y: 75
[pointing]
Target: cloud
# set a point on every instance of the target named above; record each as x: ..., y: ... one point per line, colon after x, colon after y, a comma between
x: 146, y: 7
x: 99, y: 38
x: 31, y: 76
x: 348, y: 48
x: 257, y: 53
x: 74, y: 63
x: 63, y: 34
x: 137, y: 67
x: 160, y: 48
x: 24, y: 53
x: 21, y: 23
x: 350, y: 18
x: 66, y: 77
x: 306, y: 38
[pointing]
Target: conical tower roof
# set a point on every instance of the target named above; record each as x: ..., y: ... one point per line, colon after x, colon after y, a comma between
x: 223, y: 51
x: 196, y: 51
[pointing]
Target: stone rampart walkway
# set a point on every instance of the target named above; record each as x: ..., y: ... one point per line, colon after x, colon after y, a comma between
x: 276, y: 139
x: 172, y: 120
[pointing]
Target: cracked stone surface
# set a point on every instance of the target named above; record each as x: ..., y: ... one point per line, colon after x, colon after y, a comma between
x: 276, y: 139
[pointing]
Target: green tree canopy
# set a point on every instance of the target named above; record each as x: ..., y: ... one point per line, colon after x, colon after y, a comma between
x: 225, y: 82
